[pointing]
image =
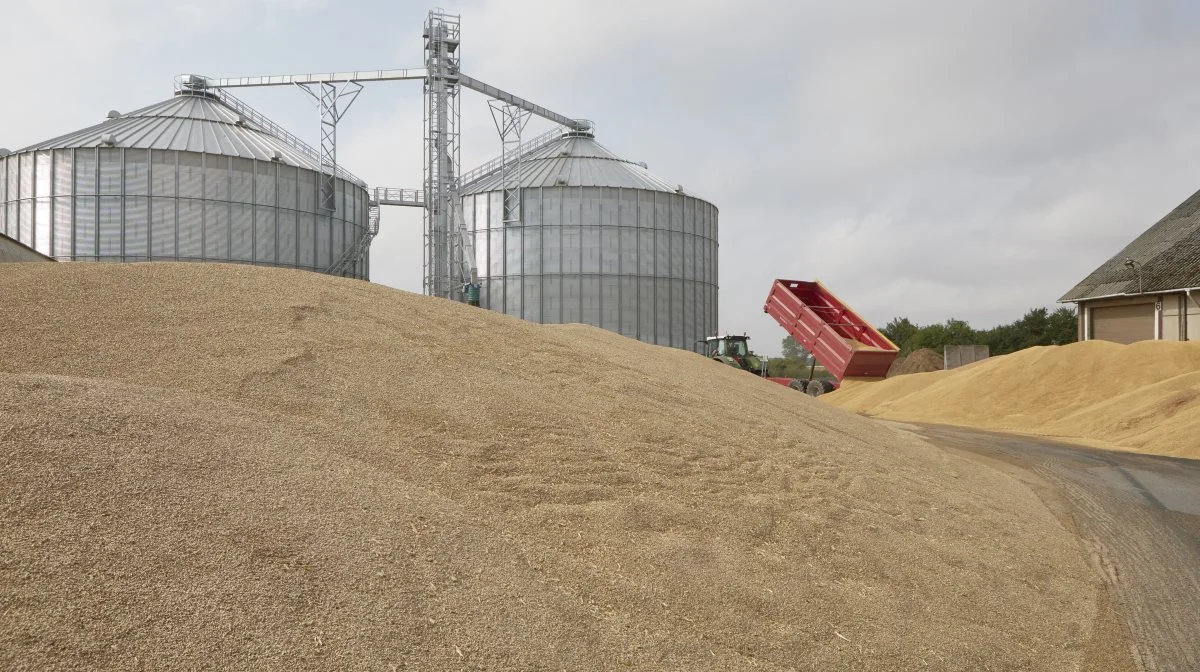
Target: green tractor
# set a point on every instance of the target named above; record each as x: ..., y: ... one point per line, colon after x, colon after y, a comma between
x: 734, y: 351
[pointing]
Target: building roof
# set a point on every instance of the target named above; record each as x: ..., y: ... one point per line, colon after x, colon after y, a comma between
x: 196, y: 122
x: 1167, y: 256
x: 574, y: 160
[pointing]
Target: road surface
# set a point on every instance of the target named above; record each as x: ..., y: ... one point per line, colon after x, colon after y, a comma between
x: 1140, y: 517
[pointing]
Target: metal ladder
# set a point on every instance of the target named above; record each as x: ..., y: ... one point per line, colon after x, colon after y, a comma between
x: 359, y: 249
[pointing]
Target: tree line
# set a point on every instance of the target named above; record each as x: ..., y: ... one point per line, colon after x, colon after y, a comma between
x: 1039, y: 326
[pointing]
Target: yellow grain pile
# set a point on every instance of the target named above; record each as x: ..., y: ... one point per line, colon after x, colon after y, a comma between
x: 859, y: 345
x: 1144, y: 396
x: 240, y: 468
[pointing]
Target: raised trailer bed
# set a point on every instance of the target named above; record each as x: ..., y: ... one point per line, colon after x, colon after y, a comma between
x: 839, y: 338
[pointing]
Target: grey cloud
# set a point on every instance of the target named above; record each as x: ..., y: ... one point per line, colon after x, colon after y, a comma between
x: 932, y: 159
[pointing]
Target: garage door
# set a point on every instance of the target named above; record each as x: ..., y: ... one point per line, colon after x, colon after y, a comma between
x: 1123, y: 324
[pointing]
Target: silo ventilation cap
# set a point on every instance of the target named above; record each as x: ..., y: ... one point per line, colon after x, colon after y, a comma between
x: 276, y: 155
x: 4, y: 151
x: 113, y: 114
x: 108, y: 140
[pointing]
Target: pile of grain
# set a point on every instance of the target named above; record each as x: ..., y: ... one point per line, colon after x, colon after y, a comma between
x: 894, y: 369
x: 918, y: 361
x: 856, y: 345
x: 244, y: 468
x: 1144, y: 396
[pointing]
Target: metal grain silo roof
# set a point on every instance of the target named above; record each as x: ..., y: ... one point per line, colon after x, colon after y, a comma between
x: 193, y: 122
x: 593, y: 239
x: 576, y: 160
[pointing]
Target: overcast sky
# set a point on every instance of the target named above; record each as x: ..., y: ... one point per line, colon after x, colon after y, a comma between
x: 928, y: 159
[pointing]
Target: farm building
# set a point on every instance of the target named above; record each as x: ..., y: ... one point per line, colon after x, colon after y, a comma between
x: 1150, y: 290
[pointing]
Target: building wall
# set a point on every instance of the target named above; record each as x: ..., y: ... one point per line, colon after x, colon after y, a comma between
x: 955, y: 356
x: 636, y: 262
x: 1175, y: 322
x: 127, y: 204
x: 1192, y: 321
x: 1173, y: 317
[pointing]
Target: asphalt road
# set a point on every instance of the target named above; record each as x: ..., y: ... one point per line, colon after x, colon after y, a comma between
x: 1140, y: 517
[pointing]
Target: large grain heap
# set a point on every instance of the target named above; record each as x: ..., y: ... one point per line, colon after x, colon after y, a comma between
x: 250, y: 468
x: 1144, y: 396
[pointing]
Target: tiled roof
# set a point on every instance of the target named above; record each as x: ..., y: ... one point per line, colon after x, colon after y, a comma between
x: 1167, y: 256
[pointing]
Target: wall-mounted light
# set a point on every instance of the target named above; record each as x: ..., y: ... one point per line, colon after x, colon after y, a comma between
x: 1130, y: 263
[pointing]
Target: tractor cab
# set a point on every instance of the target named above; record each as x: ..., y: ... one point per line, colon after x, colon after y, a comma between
x: 729, y: 346
x: 735, y: 351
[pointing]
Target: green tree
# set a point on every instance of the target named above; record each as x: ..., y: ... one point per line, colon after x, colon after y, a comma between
x: 1038, y: 326
x: 794, y: 368
x: 931, y: 336
x: 958, y: 332
x: 1001, y: 340
x: 1064, y: 326
x: 1032, y: 328
x: 793, y: 350
x: 794, y: 363
x: 937, y: 336
x: 899, y: 330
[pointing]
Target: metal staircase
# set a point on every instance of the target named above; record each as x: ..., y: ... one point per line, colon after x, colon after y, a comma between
x: 356, y: 253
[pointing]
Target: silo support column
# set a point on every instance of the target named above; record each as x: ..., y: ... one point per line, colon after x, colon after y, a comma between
x: 510, y: 122
x: 327, y: 101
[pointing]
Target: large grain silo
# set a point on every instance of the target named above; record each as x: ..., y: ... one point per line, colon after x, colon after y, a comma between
x: 600, y: 240
x: 190, y: 179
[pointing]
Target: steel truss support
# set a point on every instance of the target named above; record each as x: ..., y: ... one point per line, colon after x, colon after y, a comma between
x: 449, y: 257
x: 510, y: 121
x: 327, y: 99
x: 493, y: 92
x: 201, y: 82
x: 449, y: 244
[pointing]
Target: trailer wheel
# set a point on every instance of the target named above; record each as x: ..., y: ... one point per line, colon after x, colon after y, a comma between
x: 798, y: 385
x: 815, y: 388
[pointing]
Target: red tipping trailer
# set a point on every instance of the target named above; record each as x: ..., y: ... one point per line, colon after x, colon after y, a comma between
x: 839, y: 339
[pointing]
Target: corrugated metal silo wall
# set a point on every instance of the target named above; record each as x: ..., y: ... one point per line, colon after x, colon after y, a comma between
x: 118, y: 204
x: 637, y: 262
